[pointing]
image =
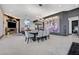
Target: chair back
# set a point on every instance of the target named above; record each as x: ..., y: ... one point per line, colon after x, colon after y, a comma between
x: 30, y: 35
x: 40, y: 33
x: 26, y: 33
x: 45, y: 33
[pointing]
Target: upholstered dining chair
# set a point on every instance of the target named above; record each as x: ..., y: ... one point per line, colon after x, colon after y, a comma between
x: 40, y: 35
x: 28, y: 36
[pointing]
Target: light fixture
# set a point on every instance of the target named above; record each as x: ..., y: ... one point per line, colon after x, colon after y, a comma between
x: 27, y: 22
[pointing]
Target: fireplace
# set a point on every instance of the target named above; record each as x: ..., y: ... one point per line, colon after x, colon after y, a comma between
x: 11, y: 27
x: 11, y: 24
x: 11, y: 30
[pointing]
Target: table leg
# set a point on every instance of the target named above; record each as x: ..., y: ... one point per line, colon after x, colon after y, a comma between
x: 34, y: 38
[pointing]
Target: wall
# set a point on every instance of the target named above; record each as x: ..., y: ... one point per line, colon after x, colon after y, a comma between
x: 64, y: 23
x: 73, y: 13
x: 21, y: 24
x: 53, y: 23
x: 1, y: 24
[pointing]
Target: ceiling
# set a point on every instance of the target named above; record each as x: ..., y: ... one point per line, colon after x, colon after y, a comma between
x: 34, y: 11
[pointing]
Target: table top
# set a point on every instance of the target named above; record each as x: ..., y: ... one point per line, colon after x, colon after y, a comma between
x: 34, y: 31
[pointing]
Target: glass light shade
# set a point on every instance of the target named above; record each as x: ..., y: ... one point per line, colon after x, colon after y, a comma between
x: 26, y: 22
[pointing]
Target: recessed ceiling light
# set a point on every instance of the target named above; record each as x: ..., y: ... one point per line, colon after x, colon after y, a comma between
x: 40, y: 5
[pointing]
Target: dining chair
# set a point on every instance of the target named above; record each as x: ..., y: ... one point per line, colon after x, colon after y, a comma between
x: 44, y: 35
x: 48, y: 34
x: 40, y: 35
x: 28, y: 36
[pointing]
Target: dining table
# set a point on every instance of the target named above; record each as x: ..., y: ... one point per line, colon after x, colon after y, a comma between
x: 35, y: 33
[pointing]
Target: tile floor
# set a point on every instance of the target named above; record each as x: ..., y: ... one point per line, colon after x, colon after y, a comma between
x: 56, y: 45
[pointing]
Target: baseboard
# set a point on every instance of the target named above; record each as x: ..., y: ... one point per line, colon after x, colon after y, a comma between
x: 1, y: 36
x: 59, y: 34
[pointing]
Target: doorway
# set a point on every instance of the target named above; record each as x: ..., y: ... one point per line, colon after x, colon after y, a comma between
x: 73, y: 23
x: 75, y: 27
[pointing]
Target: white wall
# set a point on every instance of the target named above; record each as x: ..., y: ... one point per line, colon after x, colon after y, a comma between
x: 1, y: 24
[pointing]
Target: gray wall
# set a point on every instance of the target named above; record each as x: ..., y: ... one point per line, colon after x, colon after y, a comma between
x: 64, y: 24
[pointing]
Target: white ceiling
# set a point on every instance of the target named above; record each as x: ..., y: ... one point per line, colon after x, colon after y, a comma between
x: 33, y: 11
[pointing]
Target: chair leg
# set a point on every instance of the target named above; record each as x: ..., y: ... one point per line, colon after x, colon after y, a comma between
x: 48, y: 37
x: 31, y: 39
x: 45, y: 37
x: 42, y: 38
x: 27, y: 40
x: 38, y: 40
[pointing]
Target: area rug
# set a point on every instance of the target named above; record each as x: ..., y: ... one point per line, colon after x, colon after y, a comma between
x: 74, y: 49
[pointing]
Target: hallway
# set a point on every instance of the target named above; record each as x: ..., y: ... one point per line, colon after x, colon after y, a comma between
x: 56, y: 45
